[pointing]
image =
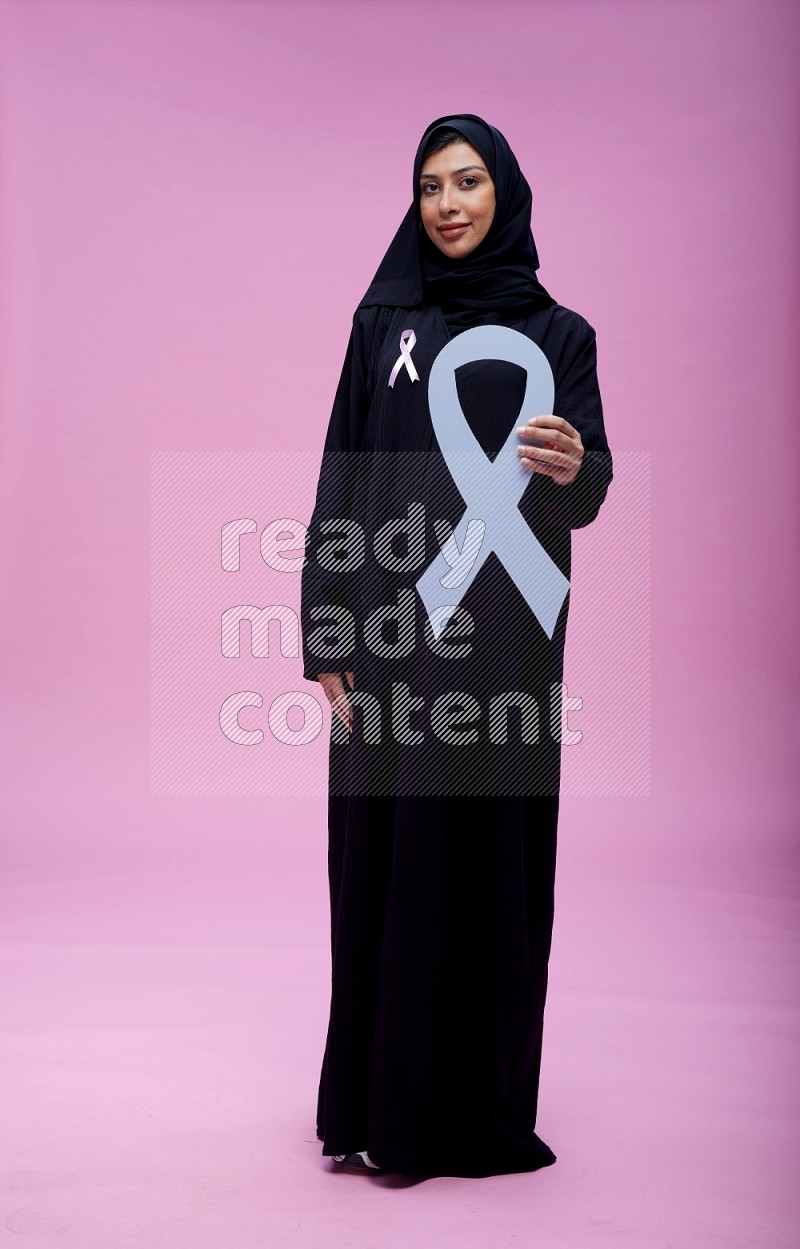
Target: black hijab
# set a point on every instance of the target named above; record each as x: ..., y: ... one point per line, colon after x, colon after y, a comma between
x: 498, y: 278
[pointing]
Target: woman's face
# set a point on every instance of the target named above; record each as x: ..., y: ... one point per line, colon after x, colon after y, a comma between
x: 455, y: 190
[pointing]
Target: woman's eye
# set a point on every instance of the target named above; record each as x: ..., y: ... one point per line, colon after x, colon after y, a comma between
x: 469, y: 178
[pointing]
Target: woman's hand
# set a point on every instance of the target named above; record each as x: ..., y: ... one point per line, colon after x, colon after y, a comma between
x: 561, y: 455
x: 336, y: 694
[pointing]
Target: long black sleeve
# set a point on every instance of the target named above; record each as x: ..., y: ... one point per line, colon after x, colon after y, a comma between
x: 325, y: 584
x: 577, y: 399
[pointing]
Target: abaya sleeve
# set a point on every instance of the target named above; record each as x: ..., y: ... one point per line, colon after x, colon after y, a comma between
x: 577, y: 399
x: 324, y: 582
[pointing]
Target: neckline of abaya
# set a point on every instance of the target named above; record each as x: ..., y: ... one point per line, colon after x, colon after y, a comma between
x: 452, y: 331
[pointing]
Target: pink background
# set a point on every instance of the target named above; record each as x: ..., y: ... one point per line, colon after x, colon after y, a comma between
x: 181, y: 184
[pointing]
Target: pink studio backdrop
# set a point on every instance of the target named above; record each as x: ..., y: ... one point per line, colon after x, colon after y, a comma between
x: 194, y: 197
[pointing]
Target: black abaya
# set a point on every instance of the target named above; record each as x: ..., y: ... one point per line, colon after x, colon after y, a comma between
x: 441, y: 863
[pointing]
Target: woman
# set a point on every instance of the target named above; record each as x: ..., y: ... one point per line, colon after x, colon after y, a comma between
x: 444, y: 778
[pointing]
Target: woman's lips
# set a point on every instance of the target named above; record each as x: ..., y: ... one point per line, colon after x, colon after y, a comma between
x: 453, y: 232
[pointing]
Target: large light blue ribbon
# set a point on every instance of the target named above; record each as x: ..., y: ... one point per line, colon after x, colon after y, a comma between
x: 491, y: 488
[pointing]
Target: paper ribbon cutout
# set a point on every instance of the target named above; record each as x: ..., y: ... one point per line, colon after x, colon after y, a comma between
x: 491, y: 488
x: 407, y: 340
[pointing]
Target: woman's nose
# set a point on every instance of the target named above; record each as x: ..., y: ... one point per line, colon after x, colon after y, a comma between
x: 448, y: 201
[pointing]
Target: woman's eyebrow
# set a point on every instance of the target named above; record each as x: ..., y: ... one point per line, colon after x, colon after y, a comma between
x: 463, y: 169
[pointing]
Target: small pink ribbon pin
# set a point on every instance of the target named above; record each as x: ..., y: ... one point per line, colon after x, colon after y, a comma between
x: 407, y: 340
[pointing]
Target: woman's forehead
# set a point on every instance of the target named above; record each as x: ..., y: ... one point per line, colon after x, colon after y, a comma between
x: 455, y: 158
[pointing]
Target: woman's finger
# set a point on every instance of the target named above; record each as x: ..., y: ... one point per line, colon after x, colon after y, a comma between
x: 534, y: 435
x: 337, y: 696
x: 550, y: 422
x: 341, y: 705
x: 540, y: 457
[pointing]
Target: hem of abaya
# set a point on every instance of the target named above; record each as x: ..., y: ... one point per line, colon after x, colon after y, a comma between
x: 517, y: 1155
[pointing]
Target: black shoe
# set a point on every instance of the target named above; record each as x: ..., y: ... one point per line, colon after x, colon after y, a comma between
x: 356, y: 1163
